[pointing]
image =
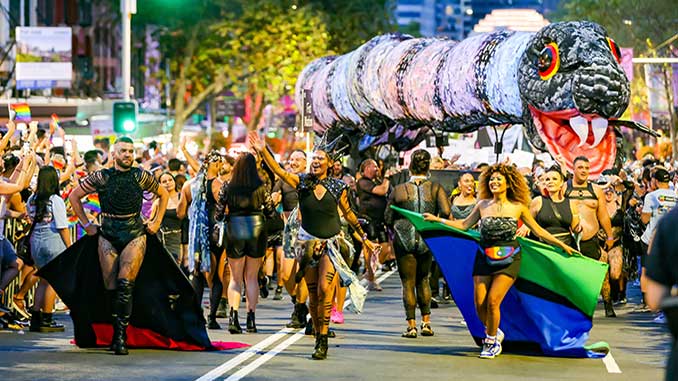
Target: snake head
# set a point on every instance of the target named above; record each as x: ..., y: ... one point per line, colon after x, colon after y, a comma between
x: 573, y: 89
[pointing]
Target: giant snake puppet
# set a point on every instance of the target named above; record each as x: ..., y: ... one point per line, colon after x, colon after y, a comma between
x: 564, y: 84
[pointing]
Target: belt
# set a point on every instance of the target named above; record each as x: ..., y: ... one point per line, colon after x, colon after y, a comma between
x: 119, y: 216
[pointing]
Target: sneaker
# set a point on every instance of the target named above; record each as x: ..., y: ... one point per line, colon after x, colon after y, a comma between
x: 278, y: 293
x: 20, y: 307
x: 337, y: 317
x: 621, y: 302
x: 641, y: 308
x: 60, y: 306
x: 660, y: 318
x: 500, y: 336
x: 491, y: 349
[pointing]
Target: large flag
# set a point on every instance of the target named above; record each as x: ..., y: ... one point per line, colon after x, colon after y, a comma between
x: 548, y: 310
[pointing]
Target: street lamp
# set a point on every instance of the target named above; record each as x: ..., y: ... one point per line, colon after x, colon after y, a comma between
x: 127, y: 8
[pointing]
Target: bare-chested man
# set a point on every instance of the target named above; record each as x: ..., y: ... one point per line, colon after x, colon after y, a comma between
x: 589, y: 200
x: 122, y: 242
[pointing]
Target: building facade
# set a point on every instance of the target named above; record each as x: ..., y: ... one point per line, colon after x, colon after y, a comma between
x: 456, y: 18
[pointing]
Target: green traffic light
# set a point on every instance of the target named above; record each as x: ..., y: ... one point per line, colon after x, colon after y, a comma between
x: 129, y: 125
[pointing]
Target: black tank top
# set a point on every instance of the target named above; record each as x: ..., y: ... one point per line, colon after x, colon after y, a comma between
x: 555, y: 217
x: 319, y: 217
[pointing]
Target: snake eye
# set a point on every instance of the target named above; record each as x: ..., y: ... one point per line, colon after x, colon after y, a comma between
x: 616, y: 52
x: 549, y: 61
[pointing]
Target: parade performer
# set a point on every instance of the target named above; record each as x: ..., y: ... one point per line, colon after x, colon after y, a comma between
x: 589, y: 201
x: 563, y: 83
x: 319, y: 196
x: 503, y: 201
x: 414, y: 257
x: 121, y: 272
x: 199, y: 198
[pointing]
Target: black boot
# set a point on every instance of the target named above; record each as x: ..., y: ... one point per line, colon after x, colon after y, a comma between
x: 298, y: 316
x: 309, y: 328
x: 609, y: 310
x: 122, y: 313
x: 320, y: 352
x: 49, y: 325
x: 36, y: 321
x: 233, y: 324
x: 251, y: 324
x: 222, y: 310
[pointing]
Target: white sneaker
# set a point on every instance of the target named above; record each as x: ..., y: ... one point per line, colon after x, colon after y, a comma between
x: 491, y: 349
x: 500, y: 336
x: 660, y: 318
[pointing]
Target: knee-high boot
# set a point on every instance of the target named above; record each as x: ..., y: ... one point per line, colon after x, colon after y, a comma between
x: 122, y: 311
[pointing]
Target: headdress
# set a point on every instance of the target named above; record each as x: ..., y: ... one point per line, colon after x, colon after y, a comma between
x: 335, y: 148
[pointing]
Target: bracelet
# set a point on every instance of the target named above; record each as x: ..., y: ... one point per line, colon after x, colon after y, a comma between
x: 610, y: 239
x: 85, y: 226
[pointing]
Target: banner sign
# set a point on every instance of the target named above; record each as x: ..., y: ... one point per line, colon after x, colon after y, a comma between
x: 43, y: 57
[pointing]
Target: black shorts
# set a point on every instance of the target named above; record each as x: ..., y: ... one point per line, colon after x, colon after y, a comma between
x: 591, y: 248
x: 120, y: 232
x: 253, y: 248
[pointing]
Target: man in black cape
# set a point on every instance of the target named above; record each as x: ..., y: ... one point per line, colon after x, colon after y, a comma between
x: 97, y: 276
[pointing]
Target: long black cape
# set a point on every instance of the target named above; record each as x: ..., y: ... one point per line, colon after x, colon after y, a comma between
x: 164, y: 300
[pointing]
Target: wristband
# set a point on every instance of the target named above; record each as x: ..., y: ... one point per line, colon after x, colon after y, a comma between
x: 610, y: 239
x: 85, y: 226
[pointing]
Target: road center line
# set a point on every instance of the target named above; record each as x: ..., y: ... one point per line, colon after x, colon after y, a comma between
x: 282, y: 346
x: 610, y: 364
x: 263, y: 359
x: 242, y: 357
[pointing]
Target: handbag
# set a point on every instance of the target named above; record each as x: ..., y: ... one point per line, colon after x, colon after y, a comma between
x: 500, y: 255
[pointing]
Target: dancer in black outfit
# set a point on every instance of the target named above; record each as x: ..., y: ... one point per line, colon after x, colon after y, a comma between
x: 319, y: 196
x: 122, y: 242
x: 242, y: 202
x: 414, y: 258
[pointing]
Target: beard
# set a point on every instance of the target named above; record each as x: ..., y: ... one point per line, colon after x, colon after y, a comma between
x: 121, y: 163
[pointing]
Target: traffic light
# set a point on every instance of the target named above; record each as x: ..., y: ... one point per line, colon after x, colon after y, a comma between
x: 125, y: 117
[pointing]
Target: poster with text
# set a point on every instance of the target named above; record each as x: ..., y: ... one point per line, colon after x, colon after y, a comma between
x: 43, y: 57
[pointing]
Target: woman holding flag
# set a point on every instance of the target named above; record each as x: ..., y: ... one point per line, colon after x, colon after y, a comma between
x: 503, y: 200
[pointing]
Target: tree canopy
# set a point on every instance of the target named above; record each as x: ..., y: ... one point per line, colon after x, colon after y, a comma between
x: 629, y: 22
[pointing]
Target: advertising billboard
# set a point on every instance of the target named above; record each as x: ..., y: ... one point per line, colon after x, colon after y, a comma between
x: 43, y: 57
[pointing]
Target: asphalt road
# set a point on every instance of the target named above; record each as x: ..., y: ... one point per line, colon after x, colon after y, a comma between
x: 367, y: 347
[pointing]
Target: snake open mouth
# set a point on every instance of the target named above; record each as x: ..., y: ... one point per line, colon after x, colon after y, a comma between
x: 570, y: 134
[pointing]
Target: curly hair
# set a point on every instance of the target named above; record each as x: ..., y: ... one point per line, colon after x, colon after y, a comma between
x: 516, y: 185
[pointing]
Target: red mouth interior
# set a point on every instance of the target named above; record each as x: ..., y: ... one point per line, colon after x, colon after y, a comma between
x: 554, y: 129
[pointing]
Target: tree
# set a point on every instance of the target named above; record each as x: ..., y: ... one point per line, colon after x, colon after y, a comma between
x: 188, y: 42
x: 629, y: 22
x: 268, y: 45
x: 350, y: 23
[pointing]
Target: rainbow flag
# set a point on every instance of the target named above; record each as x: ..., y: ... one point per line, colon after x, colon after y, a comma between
x: 20, y: 112
x: 54, y: 124
x: 92, y: 204
x: 550, y: 307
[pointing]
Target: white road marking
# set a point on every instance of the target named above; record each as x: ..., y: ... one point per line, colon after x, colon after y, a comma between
x: 610, y: 364
x: 244, y: 356
x: 263, y: 359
